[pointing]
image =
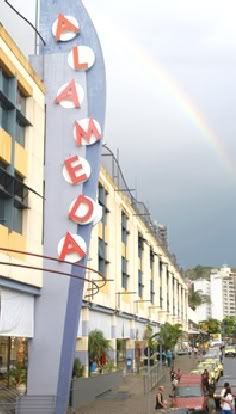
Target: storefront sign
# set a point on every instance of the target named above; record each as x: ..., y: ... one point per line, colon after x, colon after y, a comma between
x: 73, y: 70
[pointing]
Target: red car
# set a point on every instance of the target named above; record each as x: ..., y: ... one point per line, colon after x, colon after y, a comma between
x: 190, y: 379
x: 189, y: 396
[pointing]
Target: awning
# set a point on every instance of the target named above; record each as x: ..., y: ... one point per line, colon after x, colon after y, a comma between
x: 123, y: 328
x: 100, y: 321
x: 16, y: 313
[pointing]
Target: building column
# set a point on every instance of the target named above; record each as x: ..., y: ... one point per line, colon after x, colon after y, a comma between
x: 164, y: 287
x: 81, y: 350
x: 175, y: 301
x: 171, y: 297
x: 113, y: 342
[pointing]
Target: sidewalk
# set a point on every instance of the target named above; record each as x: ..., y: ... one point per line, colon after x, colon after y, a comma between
x: 129, y: 397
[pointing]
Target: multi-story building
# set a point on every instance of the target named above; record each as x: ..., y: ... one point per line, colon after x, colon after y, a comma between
x: 223, y: 293
x: 140, y: 283
x: 203, y: 286
x: 21, y: 200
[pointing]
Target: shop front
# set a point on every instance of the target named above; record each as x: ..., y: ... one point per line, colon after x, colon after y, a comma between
x: 16, y: 328
x: 13, y: 361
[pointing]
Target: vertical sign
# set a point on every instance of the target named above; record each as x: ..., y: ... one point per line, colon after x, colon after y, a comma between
x: 73, y: 70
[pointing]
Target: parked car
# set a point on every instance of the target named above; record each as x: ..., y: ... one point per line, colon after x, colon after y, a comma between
x: 182, y: 352
x: 189, y: 396
x: 230, y: 351
x: 191, y: 378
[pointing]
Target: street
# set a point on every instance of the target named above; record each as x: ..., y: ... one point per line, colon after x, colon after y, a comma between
x: 229, y: 368
x: 129, y: 396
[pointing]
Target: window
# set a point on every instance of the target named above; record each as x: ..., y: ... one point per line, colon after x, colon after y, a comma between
x: 124, y: 275
x: 20, y: 133
x: 140, y: 245
x: 6, y: 87
x: 5, y: 119
x: 17, y: 219
x: 168, y: 303
x: 2, y: 211
x: 140, y: 283
x: 20, y: 102
x: 124, y: 227
x: 102, y: 198
x: 152, y: 292
x: 102, y: 253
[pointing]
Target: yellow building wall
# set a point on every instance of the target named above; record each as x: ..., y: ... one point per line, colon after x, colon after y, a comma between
x: 29, y: 162
x: 112, y: 295
x: 20, y: 160
x: 5, y: 146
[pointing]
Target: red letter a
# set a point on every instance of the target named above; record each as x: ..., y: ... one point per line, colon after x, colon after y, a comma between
x: 70, y: 246
x: 81, y: 200
x: 64, y: 25
x: 92, y: 131
x: 69, y: 93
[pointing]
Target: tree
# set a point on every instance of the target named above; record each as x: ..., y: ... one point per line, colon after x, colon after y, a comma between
x: 196, y: 298
x: 147, y: 336
x: 198, y: 272
x: 169, y: 335
x: 229, y: 326
x: 98, y: 345
x: 211, y: 326
x: 78, y: 369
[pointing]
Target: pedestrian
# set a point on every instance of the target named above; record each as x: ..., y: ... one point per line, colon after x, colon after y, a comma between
x: 227, y: 401
x: 211, y: 404
x: 174, y: 383
x: 169, y: 358
x: 189, y: 351
x: 205, y: 380
x: 212, y: 386
x: 172, y: 374
x: 179, y: 375
x: 195, y: 351
x: 226, y: 385
x: 160, y: 399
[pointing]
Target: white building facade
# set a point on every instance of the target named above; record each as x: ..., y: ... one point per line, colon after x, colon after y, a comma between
x: 223, y: 293
x: 203, y: 286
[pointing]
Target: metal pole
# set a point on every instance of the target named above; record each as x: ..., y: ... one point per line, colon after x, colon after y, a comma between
x: 161, y: 355
x: 8, y: 360
x: 149, y: 378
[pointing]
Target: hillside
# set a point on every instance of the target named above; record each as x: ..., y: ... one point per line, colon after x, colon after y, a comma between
x: 198, y: 272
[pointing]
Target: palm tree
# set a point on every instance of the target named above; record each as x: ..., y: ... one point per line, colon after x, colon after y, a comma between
x: 196, y: 298
x: 98, y: 345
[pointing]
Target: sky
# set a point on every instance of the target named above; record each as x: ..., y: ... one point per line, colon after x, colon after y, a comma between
x: 171, y: 99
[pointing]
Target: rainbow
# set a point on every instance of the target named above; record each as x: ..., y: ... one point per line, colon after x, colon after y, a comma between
x: 176, y: 91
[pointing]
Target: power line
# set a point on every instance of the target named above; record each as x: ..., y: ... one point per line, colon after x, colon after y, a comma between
x: 26, y: 20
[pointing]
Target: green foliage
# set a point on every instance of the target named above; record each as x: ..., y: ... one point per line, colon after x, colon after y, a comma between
x: 18, y: 375
x: 169, y: 335
x: 97, y: 346
x: 229, y: 326
x: 78, y: 369
x: 196, y: 298
x: 198, y: 272
x: 211, y: 326
x: 110, y: 367
x: 147, y: 336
